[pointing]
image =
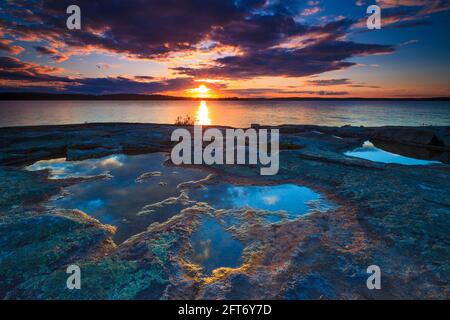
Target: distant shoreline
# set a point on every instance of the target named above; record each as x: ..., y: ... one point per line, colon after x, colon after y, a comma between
x: 29, y: 96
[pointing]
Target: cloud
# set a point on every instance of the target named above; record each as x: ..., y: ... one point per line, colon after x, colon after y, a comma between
x: 113, y: 85
x: 315, y: 59
x: 161, y: 27
x: 407, y: 13
x: 45, y: 50
x: 135, y: 27
x: 258, y: 31
x: 408, y: 3
x: 270, y: 200
x: 55, y: 55
x: 14, y: 69
x: 262, y: 39
x: 106, y: 66
x: 5, y: 45
x: 413, y: 41
x: 336, y: 82
x: 28, y: 76
x: 310, y: 11
x: 329, y: 82
x: 322, y: 49
x: 259, y: 92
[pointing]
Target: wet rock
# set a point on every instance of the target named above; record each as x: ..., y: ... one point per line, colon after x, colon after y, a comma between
x: 392, y: 216
x: 147, y: 175
x: 311, y: 287
x: 33, y: 247
x: 426, y: 136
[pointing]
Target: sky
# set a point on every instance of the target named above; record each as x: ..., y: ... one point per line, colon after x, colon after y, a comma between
x: 227, y: 48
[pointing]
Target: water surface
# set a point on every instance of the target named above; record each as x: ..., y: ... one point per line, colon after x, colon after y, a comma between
x: 293, y: 199
x: 117, y: 200
x: 369, y: 152
x: 213, y: 247
x: 232, y: 113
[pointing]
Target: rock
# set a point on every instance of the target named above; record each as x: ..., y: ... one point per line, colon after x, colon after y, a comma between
x: 385, y: 215
x: 145, y: 176
x: 420, y: 136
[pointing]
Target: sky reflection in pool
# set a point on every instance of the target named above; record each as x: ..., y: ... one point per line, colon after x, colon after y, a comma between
x: 295, y: 200
x: 369, y: 152
x: 213, y: 247
x: 62, y: 169
x: 117, y: 200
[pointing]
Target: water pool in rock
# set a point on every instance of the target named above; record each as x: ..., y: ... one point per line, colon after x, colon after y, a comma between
x: 131, y: 192
x: 293, y: 199
x: 126, y: 184
x: 213, y: 247
x: 370, y: 152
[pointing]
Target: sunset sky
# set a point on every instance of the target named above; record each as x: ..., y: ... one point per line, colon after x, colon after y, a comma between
x: 220, y: 48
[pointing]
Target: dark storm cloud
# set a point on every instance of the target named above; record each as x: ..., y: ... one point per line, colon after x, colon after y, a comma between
x: 314, y: 59
x: 260, y: 30
x: 15, y: 69
x: 323, y: 50
x: 120, y: 85
x: 137, y: 27
x: 34, y: 76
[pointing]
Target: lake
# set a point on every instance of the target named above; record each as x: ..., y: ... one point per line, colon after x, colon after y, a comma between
x: 231, y: 113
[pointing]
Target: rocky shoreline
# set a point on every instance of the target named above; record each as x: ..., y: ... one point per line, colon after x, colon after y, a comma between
x: 390, y: 215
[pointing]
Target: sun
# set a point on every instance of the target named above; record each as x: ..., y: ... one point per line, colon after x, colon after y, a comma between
x: 201, y: 91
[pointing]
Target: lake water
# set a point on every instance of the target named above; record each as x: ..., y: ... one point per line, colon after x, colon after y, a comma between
x: 232, y: 113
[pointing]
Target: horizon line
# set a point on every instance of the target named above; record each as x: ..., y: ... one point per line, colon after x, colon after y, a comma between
x: 9, y: 96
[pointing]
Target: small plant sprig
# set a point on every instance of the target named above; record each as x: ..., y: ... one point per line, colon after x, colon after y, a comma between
x: 185, y: 121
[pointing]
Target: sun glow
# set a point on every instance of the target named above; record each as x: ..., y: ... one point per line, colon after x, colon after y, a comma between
x: 201, y: 91
x: 202, y: 115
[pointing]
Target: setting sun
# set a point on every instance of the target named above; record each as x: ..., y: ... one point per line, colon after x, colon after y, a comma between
x: 201, y: 91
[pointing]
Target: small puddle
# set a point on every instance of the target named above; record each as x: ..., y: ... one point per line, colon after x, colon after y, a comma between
x: 213, y: 247
x: 131, y: 183
x: 370, y: 152
x: 293, y: 199
x: 62, y: 169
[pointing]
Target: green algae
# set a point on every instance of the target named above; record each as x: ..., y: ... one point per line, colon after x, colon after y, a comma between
x: 160, y: 247
x: 35, y: 267
x: 38, y: 245
x: 107, y: 279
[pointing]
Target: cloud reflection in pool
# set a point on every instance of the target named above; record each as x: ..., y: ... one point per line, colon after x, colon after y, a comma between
x: 117, y: 200
x: 295, y: 200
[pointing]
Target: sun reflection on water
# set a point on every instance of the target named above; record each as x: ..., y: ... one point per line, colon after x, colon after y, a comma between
x: 202, y: 115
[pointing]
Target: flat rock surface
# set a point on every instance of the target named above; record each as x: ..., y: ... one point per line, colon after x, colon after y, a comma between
x: 393, y: 216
